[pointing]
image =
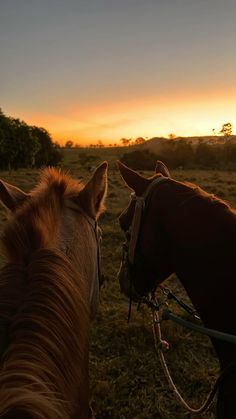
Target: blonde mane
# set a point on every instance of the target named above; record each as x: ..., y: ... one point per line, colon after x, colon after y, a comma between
x: 44, y: 317
x: 35, y: 223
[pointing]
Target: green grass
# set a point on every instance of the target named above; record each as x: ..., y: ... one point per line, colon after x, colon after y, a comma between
x: 126, y: 378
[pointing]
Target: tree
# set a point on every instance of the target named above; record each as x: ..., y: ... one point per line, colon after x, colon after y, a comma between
x: 140, y: 159
x: 125, y: 141
x: 205, y: 156
x: 226, y: 129
x: 27, y: 145
x: 100, y: 144
x: 49, y: 153
x: 171, y: 136
x: 183, y: 154
x: 24, y: 146
x: 139, y: 140
x: 69, y: 144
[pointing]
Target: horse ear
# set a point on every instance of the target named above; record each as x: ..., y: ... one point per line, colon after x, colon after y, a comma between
x: 11, y: 196
x: 134, y: 181
x: 162, y: 168
x: 93, y: 195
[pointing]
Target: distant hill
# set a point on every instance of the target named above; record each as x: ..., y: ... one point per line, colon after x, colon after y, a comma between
x: 156, y: 143
x: 212, y: 152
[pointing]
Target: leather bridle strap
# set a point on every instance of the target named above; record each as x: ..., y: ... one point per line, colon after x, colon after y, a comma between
x: 135, y: 226
x: 97, y: 231
x: 138, y: 211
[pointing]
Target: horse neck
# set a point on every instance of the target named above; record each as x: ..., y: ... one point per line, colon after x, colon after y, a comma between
x: 207, y: 277
x: 201, y: 247
x: 81, y: 249
x: 52, y: 309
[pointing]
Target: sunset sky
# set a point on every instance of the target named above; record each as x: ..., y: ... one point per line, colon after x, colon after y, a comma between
x: 89, y: 70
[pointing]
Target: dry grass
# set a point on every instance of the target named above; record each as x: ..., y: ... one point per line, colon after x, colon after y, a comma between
x: 127, y: 381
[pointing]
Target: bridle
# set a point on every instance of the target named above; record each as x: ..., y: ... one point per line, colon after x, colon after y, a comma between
x: 98, y: 235
x: 132, y: 235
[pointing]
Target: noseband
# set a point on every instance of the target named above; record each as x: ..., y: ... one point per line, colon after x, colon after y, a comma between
x: 132, y: 234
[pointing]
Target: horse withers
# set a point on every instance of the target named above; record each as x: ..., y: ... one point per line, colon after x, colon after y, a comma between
x: 49, y: 289
x: 176, y: 227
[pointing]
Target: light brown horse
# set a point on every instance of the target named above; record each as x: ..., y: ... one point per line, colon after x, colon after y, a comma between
x: 48, y: 293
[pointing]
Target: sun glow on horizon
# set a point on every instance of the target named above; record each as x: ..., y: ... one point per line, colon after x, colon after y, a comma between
x: 189, y: 115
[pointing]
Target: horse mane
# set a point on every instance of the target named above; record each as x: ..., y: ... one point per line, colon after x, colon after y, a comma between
x: 187, y: 190
x: 35, y: 222
x: 192, y: 216
x: 184, y: 194
x: 44, y: 319
x: 207, y: 197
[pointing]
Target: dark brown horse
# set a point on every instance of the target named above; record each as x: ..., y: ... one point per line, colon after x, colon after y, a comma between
x: 48, y: 294
x: 185, y: 230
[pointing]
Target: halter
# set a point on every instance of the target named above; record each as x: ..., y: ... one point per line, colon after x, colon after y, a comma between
x: 132, y: 234
x: 98, y: 235
x: 140, y: 202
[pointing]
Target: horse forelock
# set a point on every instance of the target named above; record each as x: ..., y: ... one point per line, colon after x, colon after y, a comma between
x: 34, y: 225
x: 59, y: 181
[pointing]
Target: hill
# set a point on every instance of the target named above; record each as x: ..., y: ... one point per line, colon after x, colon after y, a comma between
x: 156, y: 143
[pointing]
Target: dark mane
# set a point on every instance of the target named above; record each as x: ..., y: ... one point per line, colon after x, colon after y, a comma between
x: 200, y: 214
x: 191, y: 190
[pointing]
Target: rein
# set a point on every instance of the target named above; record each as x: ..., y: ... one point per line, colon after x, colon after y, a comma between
x: 162, y: 346
x: 226, y: 337
x: 133, y: 232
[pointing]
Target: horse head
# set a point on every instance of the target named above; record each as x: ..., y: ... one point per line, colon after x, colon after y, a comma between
x: 49, y: 292
x: 58, y: 213
x: 146, y: 257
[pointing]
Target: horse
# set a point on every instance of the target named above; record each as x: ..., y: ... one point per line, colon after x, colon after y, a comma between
x: 49, y: 291
x: 189, y: 232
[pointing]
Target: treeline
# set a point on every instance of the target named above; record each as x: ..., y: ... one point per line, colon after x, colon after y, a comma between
x: 182, y: 154
x: 22, y: 145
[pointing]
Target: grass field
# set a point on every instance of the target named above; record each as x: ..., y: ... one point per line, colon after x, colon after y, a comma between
x: 127, y: 381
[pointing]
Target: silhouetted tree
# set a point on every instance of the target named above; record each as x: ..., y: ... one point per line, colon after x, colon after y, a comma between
x: 183, y: 154
x: 226, y: 129
x: 140, y: 159
x: 49, y: 153
x: 125, y: 141
x: 100, y: 144
x: 24, y: 146
x: 26, y: 143
x: 205, y: 156
x: 69, y: 144
x: 139, y: 140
